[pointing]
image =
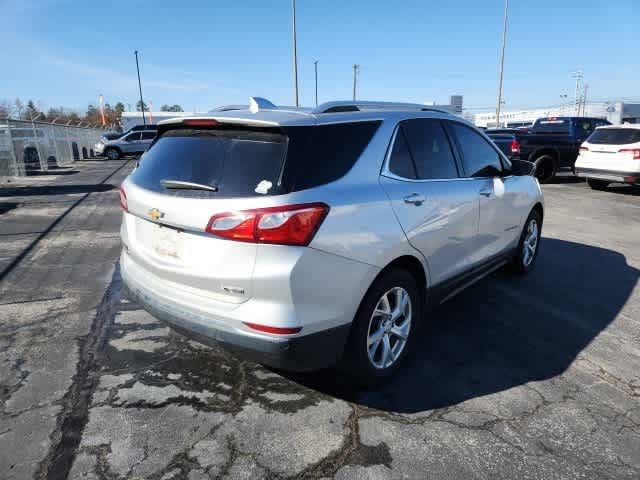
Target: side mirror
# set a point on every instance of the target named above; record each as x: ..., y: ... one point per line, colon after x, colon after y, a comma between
x: 522, y: 167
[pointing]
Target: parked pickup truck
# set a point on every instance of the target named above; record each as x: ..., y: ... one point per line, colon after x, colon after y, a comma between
x: 552, y: 143
x: 504, y: 138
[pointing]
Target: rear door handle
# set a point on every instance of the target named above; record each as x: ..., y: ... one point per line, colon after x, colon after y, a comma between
x: 415, y: 199
x: 486, y: 192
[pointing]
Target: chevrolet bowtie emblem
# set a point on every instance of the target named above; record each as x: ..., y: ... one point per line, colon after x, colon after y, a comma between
x: 155, y: 213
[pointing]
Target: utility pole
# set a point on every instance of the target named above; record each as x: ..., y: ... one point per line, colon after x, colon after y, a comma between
x: 144, y: 121
x: 578, y: 76
x: 563, y: 99
x: 295, y: 53
x: 315, y: 64
x: 356, y: 69
x: 504, y: 44
x: 584, y: 99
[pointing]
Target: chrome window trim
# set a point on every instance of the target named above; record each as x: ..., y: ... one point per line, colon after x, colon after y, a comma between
x: 389, y: 174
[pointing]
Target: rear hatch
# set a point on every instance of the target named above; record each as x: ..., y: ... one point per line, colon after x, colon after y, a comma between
x: 185, y: 178
x: 611, y: 149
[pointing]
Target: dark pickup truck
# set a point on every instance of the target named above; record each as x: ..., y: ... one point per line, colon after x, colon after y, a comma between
x: 553, y: 143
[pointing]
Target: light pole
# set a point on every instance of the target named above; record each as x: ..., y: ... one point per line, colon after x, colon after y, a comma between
x: 295, y: 53
x: 315, y: 65
x: 504, y: 43
x: 356, y: 68
x: 144, y: 121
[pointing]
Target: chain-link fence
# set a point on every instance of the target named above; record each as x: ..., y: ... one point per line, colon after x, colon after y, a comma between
x: 29, y: 147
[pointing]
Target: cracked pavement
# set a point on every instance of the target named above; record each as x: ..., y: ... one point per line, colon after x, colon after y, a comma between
x: 534, y: 377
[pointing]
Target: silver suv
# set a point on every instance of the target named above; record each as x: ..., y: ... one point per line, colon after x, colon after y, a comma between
x: 133, y: 142
x: 306, y: 238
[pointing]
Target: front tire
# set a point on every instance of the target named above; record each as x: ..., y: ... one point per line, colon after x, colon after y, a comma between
x: 597, y: 184
x: 545, y: 168
x: 528, y: 246
x: 112, y: 153
x: 384, y: 328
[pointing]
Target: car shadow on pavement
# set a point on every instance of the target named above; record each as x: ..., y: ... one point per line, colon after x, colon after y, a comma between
x: 54, y: 190
x: 624, y: 189
x: 565, y: 178
x: 503, y: 332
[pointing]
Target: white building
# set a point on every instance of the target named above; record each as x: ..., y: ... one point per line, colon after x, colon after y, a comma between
x: 615, y: 112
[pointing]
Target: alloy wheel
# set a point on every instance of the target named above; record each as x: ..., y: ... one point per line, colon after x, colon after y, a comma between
x: 530, y: 243
x: 389, y: 328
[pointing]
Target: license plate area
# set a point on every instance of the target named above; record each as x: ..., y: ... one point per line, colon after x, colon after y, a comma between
x: 167, y: 242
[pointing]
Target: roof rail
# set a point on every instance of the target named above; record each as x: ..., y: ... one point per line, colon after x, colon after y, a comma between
x: 355, y: 106
x: 226, y: 108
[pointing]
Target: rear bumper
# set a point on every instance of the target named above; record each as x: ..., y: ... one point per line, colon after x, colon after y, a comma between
x: 610, y: 175
x: 300, y: 353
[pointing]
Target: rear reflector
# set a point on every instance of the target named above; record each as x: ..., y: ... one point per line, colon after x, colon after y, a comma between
x: 123, y: 199
x: 285, y: 225
x: 635, y: 152
x: 275, y: 330
x: 200, y: 122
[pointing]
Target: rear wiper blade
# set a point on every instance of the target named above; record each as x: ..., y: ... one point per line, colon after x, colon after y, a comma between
x: 180, y: 185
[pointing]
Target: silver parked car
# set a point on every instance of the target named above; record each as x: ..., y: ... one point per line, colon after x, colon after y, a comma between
x: 304, y: 238
x: 133, y: 142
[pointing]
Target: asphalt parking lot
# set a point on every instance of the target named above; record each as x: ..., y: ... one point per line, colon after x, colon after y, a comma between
x: 535, y: 377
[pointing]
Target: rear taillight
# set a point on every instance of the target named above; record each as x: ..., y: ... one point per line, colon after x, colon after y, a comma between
x: 276, y: 330
x: 635, y: 152
x: 123, y: 199
x: 583, y: 149
x: 285, y: 225
x: 515, y: 146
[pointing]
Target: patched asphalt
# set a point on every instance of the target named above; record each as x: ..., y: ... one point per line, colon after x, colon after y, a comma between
x: 535, y: 377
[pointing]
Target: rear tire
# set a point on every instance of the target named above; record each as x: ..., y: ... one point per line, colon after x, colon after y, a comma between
x: 597, y: 184
x: 529, y: 244
x: 383, y: 331
x: 545, y: 168
x: 112, y: 153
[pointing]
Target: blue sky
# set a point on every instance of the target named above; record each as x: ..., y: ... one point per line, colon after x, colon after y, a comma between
x: 201, y: 54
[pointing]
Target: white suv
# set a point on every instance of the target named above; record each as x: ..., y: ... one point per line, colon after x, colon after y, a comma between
x: 301, y: 238
x: 610, y: 154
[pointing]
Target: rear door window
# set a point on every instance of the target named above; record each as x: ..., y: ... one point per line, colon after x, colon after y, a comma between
x: 148, y: 135
x: 237, y: 163
x: 615, y: 136
x: 430, y: 149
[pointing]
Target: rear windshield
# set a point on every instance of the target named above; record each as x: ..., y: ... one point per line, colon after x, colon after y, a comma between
x: 551, y: 126
x: 237, y: 163
x: 615, y: 136
x: 258, y: 162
